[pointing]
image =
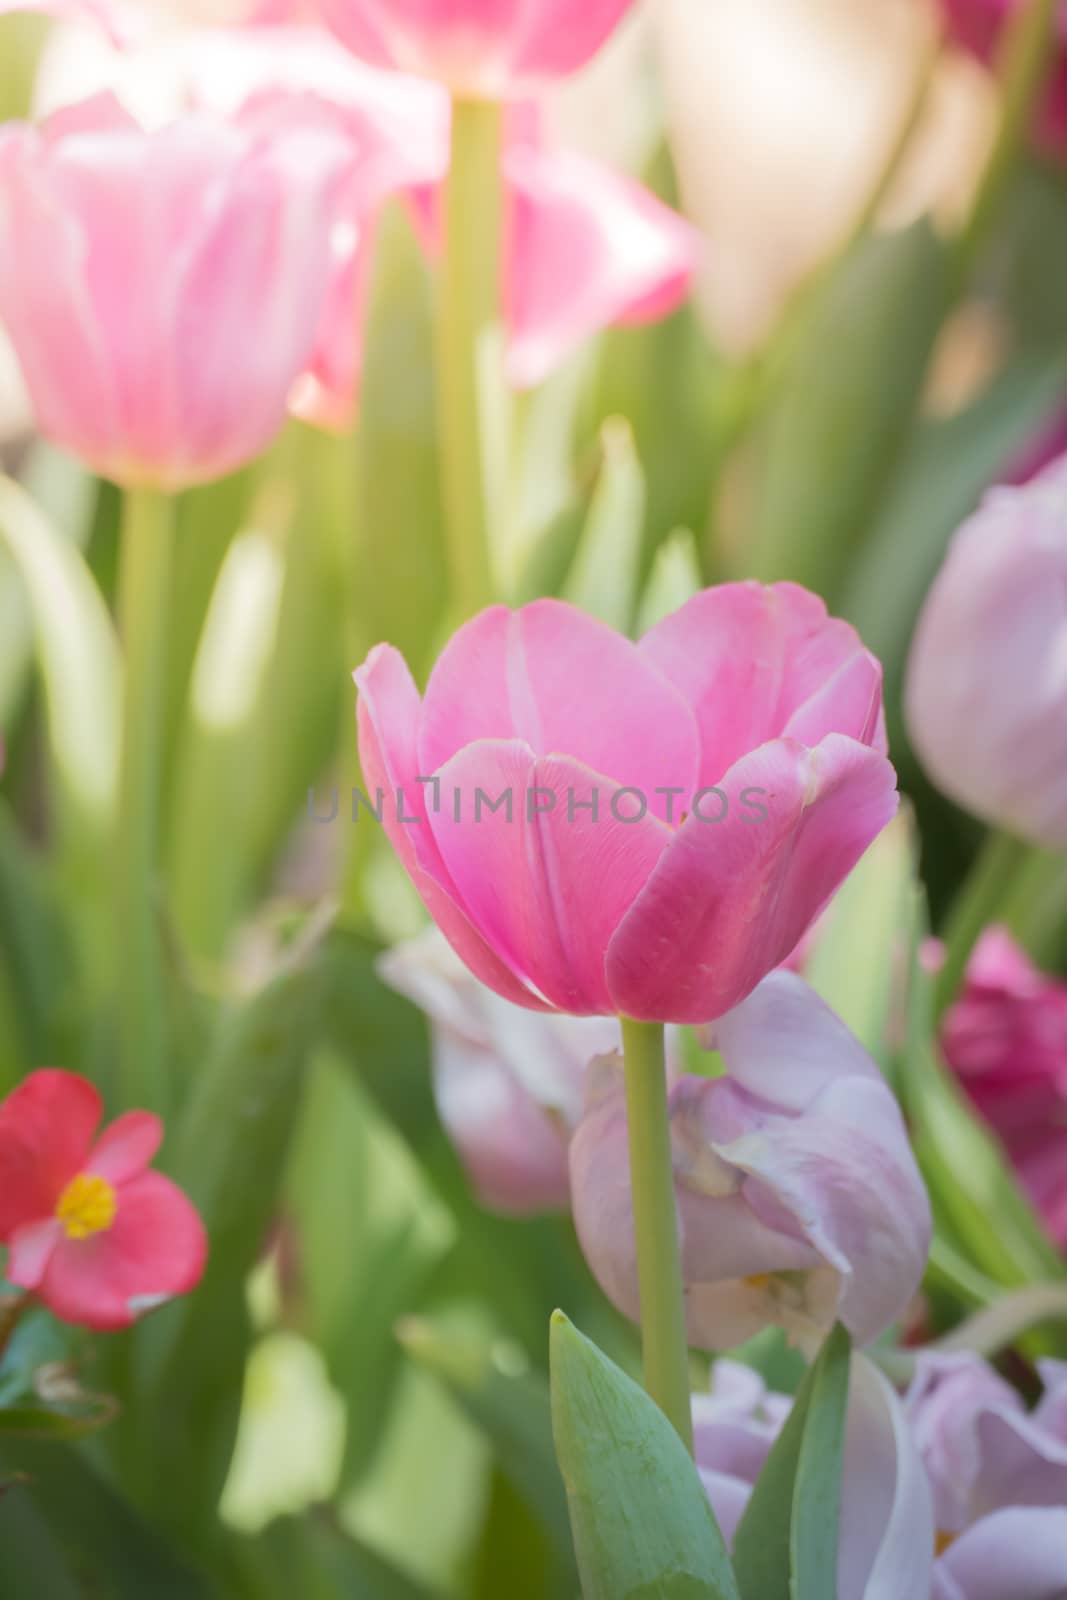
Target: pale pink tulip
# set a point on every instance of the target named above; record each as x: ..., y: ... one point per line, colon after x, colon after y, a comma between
x: 979, y: 25
x: 1006, y: 1040
x: 797, y: 1195
x: 484, y: 48
x: 680, y: 809
x: 896, y: 1460
x: 886, y: 1540
x: 163, y: 290
x: 986, y: 694
x: 508, y: 1081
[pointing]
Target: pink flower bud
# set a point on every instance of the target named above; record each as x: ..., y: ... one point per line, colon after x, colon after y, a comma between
x: 986, y: 694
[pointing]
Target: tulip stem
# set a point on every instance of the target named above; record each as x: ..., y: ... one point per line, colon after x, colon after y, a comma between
x: 470, y: 352
x: 980, y: 901
x: 144, y: 600
x: 659, y: 1266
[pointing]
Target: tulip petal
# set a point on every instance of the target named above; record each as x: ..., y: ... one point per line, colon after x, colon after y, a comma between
x: 545, y: 880
x: 46, y: 1129
x: 1021, y: 1552
x: 759, y: 663
x: 126, y: 1147
x: 514, y: 674
x: 387, y: 715
x: 155, y: 1249
x: 728, y: 901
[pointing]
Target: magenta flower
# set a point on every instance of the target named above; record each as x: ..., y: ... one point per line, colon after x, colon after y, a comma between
x: 163, y: 290
x: 489, y: 49
x: 979, y: 26
x: 607, y: 828
x: 509, y: 1082
x: 798, y: 1198
x: 90, y: 1231
x: 1006, y: 1040
x: 986, y: 694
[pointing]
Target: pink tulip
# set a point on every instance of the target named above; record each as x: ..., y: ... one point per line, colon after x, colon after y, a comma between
x: 584, y: 248
x: 163, y: 290
x: 680, y: 809
x: 487, y: 49
x: 90, y: 1231
x: 979, y: 26
x: 798, y: 1198
x: 508, y: 1081
x: 898, y: 1459
x: 986, y: 694
x: 1006, y: 1040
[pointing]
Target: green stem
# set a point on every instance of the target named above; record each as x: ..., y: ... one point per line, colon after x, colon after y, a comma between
x: 144, y: 601
x: 978, y: 903
x: 1025, y: 60
x: 659, y: 1267
x: 469, y: 348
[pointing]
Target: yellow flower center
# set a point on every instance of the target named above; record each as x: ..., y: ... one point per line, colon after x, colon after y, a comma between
x: 943, y: 1541
x: 758, y: 1280
x: 86, y: 1206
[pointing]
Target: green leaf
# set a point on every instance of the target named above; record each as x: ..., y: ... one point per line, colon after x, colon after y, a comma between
x: 65, y: 1533
x: 493, y: 1384
x: 230, y: 1157
x: 78, y: 656
x: 674, y: 579
x: 859, y: 959
x: 939, y: 483
x: 398, y: 557
x: 643, y: 1526
x: 604, y: 577
x: 785, y: 1547
x: 847, y: 404
x: 313, y: 1559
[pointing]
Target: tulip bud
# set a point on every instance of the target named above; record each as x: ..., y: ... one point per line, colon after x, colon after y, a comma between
x: 986, y: 694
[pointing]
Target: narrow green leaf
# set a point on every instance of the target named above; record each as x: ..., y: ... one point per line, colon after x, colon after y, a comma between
x: 230, y: 1158
x: 493, y: 1384
x: 674, y: 579
x: 604, y: 577
x: 785, y: 1547
x: 78, y: 655
x: 859, y: 959
x: 643, y: 1526
x: 846, y: 408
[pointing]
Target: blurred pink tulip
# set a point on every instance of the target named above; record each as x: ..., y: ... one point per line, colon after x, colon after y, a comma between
x: 671, y: 815
x: 584, y: 247
x: 162, y: 290
x: 1006, y: 1040
x: 986, y: 694
x: 798, y: 1198
x: 901, y: 1459
x: 979, y: 26
x: 508, y: 1081
x: 488, y: 49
